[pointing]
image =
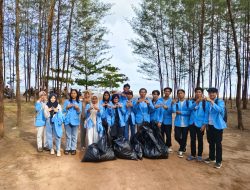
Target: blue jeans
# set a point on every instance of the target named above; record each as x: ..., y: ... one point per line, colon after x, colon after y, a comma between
x: 128, y: 125
x: 50, y: 133
x: 71, y: 136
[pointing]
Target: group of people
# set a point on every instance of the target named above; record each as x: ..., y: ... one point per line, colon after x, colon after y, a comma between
x: 121, y: 115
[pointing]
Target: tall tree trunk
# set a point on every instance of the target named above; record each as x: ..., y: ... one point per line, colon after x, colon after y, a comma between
x: 57, y: 47
x: 201, y: 35
x: 237, y: 56
x: 245, y: 88
x: 17, y: 38
x: 49, y: 42
x: 1, y: 73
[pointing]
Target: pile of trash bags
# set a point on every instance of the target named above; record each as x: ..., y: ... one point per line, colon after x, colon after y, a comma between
x: 148, y: 143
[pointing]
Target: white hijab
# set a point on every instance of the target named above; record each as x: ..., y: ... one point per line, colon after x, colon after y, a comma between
x: 93, y: 112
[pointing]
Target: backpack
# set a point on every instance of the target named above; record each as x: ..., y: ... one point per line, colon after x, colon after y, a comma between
x: 225, y: 110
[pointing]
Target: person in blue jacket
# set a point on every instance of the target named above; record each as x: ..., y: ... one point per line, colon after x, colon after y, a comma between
x: 40, y: 120
x: 129, y: 116
x: 166, y: 127
x: 215, y: 127
x: 198, y: 122
x: 72, y: 109
x: 181, y: 108
x: 142, y: 107
x: 106, y: 104
x: 156, y: 115
x: 54, y: 121
x: 117, y: 113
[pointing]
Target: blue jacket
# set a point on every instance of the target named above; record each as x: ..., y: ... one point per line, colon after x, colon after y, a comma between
x: 121, y: 113
x: 183, y: 118
x: 129, y: 112
x: 156, y: 114
x: 72, y: 115
x: 123, y: 99
x: 142, y: 111
x: 58, y: 121
x: 89, y: 123
x: 199, y: 113
x: 167, y: 113
x: 105, y: 114
x: 216, y: 113
x: 40, y: 119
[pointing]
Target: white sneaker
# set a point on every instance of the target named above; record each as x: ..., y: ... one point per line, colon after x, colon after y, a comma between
x: 170, y: 150
x: 52, y: 151
x: 58, y: 153
x: 180, y: 154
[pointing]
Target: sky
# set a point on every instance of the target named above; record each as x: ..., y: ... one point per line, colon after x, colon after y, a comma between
x: 120, y: 33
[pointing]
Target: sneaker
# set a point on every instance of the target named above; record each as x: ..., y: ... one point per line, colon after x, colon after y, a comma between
x: 180, y: 154
x: 218, y: 165
x: 208, y: 160
x: 184, y: 151
x: 40, y: 150
x: 199, y: 158
x: 190, y: 158
x: 52, y: 151
x: 58, y: 153
x: 170, y: 150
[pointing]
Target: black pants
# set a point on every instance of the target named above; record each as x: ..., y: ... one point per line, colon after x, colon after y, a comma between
x: 196, y: 132
x: 105, y: 125
x: 180, y: 134
x: 167, y: 129
x: 214, y: 138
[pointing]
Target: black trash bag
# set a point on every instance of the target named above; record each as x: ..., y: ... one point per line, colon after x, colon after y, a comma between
x: 99, y: 151
x: 123, y: 149
x: 153, y: 143
x: 136, y: 145
x: 92, y: 154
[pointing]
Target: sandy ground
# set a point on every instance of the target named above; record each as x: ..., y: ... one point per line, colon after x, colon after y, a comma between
x: 21, y: 167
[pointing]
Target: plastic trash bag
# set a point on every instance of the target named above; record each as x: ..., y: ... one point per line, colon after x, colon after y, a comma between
x: 136, y: 145
x: 123, y: 149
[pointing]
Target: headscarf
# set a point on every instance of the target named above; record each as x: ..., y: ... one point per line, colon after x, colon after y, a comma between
x: 50, y: 104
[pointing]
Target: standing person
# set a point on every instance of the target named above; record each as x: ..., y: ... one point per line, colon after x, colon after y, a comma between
x: 143, y: 106
x: 54, y: 121
x: 86, y: 100
x: 129, y: 116
x: 157, y: 113
x: 117, y: 113
x: 40, y: 120
x: 72, y: 109
x: 166, y: 127
x: 106, y: 104
x: 181, y: 108
x: 93, y: 122
x: 198, y: 122
x: 123, y: 95
x: 216, y: 125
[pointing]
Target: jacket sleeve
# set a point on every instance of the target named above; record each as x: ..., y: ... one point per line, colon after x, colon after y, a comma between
x: 86, y: 110
x: 99, y: 113
x: 46, y: 112
x: 187, y: 111
x: 80, y: 108
x: 205, y: 121
x: 161, y: 114
x: 219, y: 107
x: 192, y: 105
x: 123, y: 108
x: 151, y: 106
x: 65, y: 106
x: 38, y: 106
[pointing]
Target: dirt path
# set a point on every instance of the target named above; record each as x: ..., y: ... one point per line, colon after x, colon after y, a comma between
x: 21, y: 167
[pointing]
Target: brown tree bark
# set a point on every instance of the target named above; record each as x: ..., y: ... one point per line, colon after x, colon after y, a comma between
x: 237, y: 57
x: 1, y: 73
x: 17, y: 38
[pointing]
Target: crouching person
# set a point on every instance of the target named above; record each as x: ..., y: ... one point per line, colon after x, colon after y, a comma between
x: 73, y: 109
x: 54, y: 121
x: 93, y: 122
x: 216, y: 125
x: 181, y: 108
